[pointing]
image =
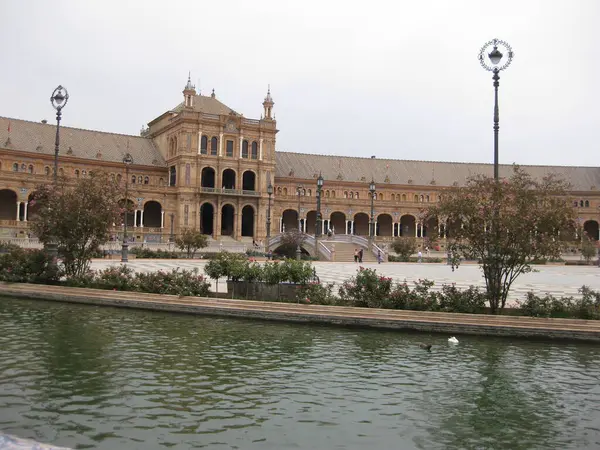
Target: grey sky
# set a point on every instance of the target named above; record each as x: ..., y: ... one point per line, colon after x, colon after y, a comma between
x: 396, y: 79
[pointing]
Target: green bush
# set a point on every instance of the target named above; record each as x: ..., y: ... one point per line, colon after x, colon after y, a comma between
x: 366, y: 290
x: 470, y: 301
x: 586, y: 307
x: 175, y: 282
x: 28, y: 266
x: 424, y: 259
x: 316, y: 294
x: 6, y: 247
x: 146, y: 253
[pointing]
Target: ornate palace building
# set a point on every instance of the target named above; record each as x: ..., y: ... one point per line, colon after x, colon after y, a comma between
x: 205, y: 166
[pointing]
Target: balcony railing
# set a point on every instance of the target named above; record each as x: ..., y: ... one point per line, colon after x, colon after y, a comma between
x: 224, y: 191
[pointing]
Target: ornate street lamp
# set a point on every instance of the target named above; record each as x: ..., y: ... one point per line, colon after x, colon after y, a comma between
x: 270, y: 193
x: 494, y: 62
x: 59, y: 100
x: 298, y: 249
x: 372, y: 193
x: 128, y: 161
x: 318, y: 226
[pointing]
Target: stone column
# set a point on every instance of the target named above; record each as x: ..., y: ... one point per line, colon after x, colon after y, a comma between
x: 241, y: 142
x: 162, y: 219
x: 375, y: 233
x: 141, y: 218
x: 416, y: 229
x: 135, y: 218
x: 25, y: 212
x: 199, y: 144
x: 220, y: 144
x: 280, y: 223
x: 346, y: 229
x: 260, y: 150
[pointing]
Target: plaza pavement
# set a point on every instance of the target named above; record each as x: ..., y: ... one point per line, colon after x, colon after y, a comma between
x: 555, y: 279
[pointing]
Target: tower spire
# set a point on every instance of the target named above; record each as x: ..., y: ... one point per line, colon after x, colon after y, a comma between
x: 189, y: 92
x: 268, y: 104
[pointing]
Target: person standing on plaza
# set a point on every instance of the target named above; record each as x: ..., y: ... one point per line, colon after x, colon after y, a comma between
x: 360, y: 255
x: 355, y: 255
x: 379, y: 257
x: 419, y: 256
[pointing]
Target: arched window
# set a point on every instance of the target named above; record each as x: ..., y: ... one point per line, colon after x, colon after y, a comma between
x: 403, y: 197
x: 140, y: 179
x: 575, y: 204
x: 133, y: 179
x: 30, y: 168
x: 285, y: 191
x: 161, y: 181
x: 112, y: 177
x: 416, y: 199
x: 587, y: 203
x: 254, y: 150
x: 214, y: 143
x: 146, y: 180
x: 245, y: 149
x: 581, y: 203
x: 23, y: 167
x: 332, y: 194
x: 15, y: 167
x: 304, y: 192
x: 204, y: 145
x: 351, y: 194
x: 422, y: 198
x: 76, y: 173
x: 47, y: 170
x: 309, y: 193
x: 83, y: 174
x: 345, y: 194
x: 119, y: 178
x: 356, y: 195
x: 326, y: 193
x: 279, y: 191
x: 380, y: 196
x: 427, y: 198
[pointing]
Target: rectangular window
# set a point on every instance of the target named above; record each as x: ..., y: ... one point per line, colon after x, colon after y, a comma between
x: 172, y: 176
x: 229, y: 150
x: 203, y: 145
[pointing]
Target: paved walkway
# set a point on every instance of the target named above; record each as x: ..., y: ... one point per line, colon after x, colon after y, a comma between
x: 557, y: 280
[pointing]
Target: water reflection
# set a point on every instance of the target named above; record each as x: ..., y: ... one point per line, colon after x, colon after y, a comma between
x: 113, y: 378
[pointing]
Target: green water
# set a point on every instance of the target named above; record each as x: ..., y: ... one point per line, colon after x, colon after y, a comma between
x: 107, y: 378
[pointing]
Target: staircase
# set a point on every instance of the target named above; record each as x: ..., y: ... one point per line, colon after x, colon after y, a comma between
x: 344, y: 251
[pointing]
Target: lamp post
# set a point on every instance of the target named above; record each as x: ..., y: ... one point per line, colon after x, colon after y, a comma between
x: 59, y: 100
x: 298, y: 249
x: 495, y: 62
x: 172, y: 236
x: 318, y: 226
x: 127, y: 160
x: 372, y: 193
x: 270, y: 193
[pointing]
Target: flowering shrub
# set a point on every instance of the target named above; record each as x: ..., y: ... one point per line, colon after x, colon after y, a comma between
x: 366, y: 290
x: 586, y: 307
x: 316, y: 293
x: 28, y: 266
x: 471, y: 300
x: 176, y: 282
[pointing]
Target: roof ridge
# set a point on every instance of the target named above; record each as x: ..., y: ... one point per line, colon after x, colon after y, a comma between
x: 436, y: 161
x: 76, y: 128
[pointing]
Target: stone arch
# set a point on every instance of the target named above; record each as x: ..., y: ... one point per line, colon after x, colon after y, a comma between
x: 248, y: 220
x: 337, y: 222
x: 228, y: 179
x: 290, y: 219
x: 590, y: 228
x: 8, y: 204
x: 207, y: 177
x: 311, y: 222
x: 152, y: 214
x: 249, y: 180
x: 385, y: 225
x: 361, y: 224
x: 408, y: 225
x: 207, y: 218
x: 227, y: 219
x: 430, y: 228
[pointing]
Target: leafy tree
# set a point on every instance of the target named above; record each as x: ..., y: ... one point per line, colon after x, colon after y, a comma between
x: 77, y: 215
x: 225, y: 264
x: 290, y: 240
x: 506, y: 225
x: 404, y: 246
x: 191, y: 240
x: 588, y: 247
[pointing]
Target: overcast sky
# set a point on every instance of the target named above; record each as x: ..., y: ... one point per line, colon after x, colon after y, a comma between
x: 396, y: 79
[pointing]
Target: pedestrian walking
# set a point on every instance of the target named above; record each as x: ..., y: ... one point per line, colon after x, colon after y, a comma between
x: 355, y: 255
x: 379, y: 257
x: 360, y: 255
x: 419, y: 256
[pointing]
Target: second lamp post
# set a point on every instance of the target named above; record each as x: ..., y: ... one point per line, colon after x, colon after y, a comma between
x: 318, y: 225
x: 59, y: 100
x: 127, y: 160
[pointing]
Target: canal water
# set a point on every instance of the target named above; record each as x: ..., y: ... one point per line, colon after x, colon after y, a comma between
x: 107, y: 378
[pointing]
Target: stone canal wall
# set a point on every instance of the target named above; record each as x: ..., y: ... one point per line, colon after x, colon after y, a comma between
x: 448, y: 323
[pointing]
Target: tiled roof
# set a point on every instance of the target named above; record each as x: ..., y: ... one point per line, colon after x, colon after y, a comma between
x: 37, y: 137
x: 208, y: 105
x: 418, y: 173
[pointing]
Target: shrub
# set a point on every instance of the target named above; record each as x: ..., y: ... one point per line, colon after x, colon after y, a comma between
x: 317, y: 294
x: 420, y: 298
x: 146, y: 253
x: 470, y: 301
x: 586, y: 307
x: 28, y: 266
x: 366, y: 290
x: 176, y: 282
x: 7, y: 247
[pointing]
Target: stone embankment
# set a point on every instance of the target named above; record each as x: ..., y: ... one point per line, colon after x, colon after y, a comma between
x: 449, y: 323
